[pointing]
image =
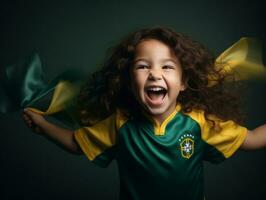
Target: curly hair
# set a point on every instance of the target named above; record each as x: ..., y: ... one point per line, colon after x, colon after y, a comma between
x: 107, y: 89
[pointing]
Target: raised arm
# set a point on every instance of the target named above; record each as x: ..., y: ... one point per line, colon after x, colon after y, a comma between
x: 63, y: 137
x: 255, y: 139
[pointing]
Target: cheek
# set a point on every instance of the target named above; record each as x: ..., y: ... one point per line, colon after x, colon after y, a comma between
x: 174, y: 80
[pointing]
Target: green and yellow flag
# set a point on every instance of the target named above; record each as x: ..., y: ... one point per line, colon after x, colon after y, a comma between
x: 23, y: 84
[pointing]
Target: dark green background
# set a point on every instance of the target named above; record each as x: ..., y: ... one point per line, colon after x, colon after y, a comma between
x: 76, y: 34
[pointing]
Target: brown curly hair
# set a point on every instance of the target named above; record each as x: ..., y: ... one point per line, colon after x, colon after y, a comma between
x: 107, y: 89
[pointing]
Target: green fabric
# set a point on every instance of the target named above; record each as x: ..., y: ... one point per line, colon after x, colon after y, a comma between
x: 23, y: 85
x: 152, y: 166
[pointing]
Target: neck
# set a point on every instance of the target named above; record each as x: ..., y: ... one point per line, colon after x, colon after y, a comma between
x: 159, y: 119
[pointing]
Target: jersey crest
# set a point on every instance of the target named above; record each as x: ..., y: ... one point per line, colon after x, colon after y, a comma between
x: 187, y: 145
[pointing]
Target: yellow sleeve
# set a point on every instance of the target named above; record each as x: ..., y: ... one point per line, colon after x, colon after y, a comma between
x: 95, y: 141
x: 98, y: 142
x: 226, y: 139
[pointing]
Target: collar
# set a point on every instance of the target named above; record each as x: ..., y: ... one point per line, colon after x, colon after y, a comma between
x: 159, y: 129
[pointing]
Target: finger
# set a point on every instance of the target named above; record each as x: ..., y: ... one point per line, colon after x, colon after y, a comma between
x: 26, y: 117
x: 28, y: 121
x: 27, y: 111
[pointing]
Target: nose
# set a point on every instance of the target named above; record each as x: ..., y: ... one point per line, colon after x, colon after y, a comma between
x: 155, y: 75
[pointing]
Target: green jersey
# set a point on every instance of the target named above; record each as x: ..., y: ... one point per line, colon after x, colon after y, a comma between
x: 160, y: 161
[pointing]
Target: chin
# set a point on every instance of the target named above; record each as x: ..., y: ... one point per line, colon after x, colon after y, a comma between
x: 156, y: 111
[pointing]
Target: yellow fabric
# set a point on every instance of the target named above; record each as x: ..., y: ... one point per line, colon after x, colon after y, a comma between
x: 96, y: 139
x: 243, y: 60
x: 63, y: 94
x: 227, y: 139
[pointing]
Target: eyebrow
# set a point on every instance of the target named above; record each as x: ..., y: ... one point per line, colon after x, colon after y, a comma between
x: 163, y: 60
x: 170, y: 59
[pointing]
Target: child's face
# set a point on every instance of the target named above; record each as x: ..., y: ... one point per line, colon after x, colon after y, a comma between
x: 156, y: 78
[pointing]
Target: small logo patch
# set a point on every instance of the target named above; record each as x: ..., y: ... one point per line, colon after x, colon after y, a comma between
x: 187, y: 145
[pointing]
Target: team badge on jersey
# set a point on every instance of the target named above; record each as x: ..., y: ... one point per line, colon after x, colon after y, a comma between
x: 186, y: 145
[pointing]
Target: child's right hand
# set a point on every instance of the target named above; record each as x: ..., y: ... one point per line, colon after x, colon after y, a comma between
x: 33, y: 120
x: 40, y: 125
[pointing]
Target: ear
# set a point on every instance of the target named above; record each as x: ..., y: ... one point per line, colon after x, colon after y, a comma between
x: 183, y: 85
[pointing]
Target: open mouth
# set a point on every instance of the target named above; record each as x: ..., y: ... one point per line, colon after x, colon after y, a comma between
x: 156, y: 94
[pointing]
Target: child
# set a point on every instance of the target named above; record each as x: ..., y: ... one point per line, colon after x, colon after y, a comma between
x: 154, y: 111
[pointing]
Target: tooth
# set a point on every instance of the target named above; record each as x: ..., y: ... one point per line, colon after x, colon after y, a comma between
x: 155, y: 89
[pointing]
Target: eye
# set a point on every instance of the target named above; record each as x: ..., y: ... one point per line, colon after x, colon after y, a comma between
x: 140, y: 66
x: 168, y: 67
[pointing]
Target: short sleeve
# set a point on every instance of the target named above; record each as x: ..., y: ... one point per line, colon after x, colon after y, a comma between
x: 98, y: 142
x: 220, y: 143
x: 224, y: 142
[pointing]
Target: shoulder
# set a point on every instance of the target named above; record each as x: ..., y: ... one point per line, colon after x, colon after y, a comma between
x: 196, y: 115
x: 214, y: 126
x: 210, y: 121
